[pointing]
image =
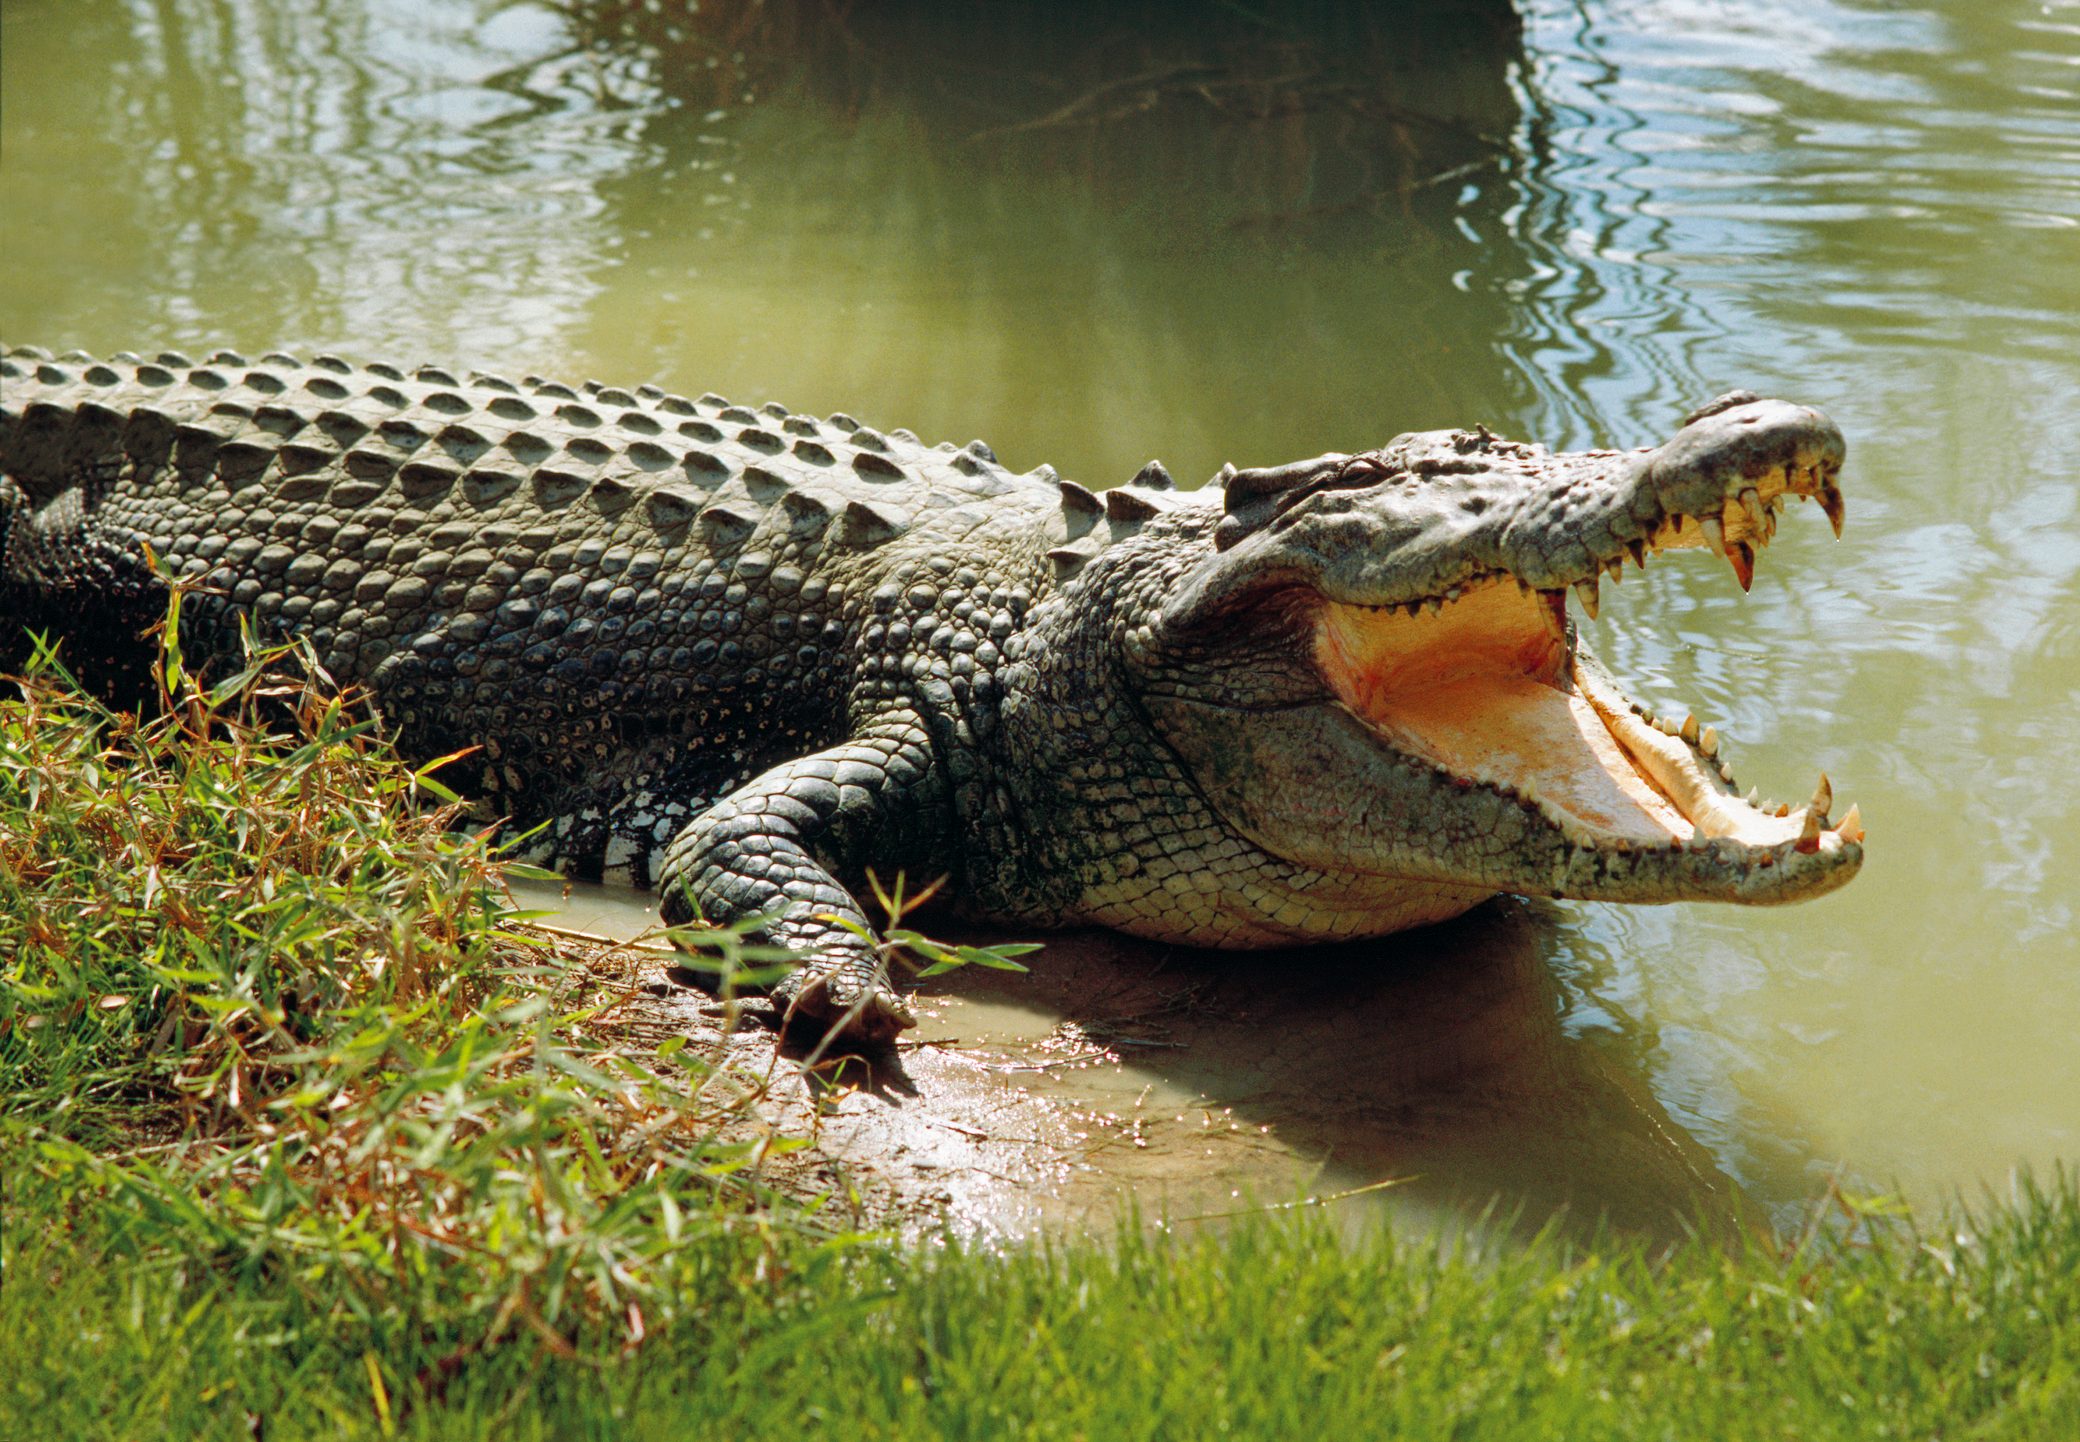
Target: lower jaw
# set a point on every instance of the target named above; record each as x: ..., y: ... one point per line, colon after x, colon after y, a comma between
x: 1644, y: 817
x: 1275, y: 911
x: 1705, y: 811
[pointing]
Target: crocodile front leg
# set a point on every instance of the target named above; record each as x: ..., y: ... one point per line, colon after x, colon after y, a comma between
x: 776, y: 845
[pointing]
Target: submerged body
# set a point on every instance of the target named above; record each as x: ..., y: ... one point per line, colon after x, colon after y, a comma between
x: 743, y: 655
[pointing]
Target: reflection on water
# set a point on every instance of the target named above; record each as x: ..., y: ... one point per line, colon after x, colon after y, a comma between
x: 397, y: 171
x: 1251, y: 233
x: 1879, y: 207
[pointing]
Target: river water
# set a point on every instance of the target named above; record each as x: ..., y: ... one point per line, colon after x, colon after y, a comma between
x: 1239, y: 233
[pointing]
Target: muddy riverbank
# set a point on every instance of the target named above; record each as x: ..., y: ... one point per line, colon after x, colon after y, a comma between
x: 1426, y: 1078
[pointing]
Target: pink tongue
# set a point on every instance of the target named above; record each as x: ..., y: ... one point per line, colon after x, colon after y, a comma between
x: 1514, y: 730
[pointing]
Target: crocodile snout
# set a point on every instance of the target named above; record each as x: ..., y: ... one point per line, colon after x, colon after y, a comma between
x: 1741, y: 434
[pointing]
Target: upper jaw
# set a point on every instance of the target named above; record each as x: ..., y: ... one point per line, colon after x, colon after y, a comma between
x: 1553, y: 521
x: 1435, y: 512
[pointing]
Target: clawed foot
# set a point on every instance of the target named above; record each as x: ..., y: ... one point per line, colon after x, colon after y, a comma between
x: 846, y: 1005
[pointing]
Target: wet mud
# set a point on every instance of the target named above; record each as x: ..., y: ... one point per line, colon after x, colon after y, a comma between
x: 1427, y: 1079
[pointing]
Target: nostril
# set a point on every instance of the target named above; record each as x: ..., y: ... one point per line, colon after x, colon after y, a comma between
x: 1720, y: 404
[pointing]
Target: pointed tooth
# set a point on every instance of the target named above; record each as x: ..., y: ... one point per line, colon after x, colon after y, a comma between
x: 1690, y: 732
x: 1726, y: 772
x: 1615, y: 569
x: 1432, y: 604
x: 1831, y: 502
x: 1639, y: 553
x: 1810, y: 830
x: 1754, y: 794
x: 1851, y: 827
x: 1741, y: 557
x: 1714, y: 532
x: 1751, y: 502
x: 1782, y: 810
x: 1708, y: 743
x: 1823, y: 797
x: 1585, y: 592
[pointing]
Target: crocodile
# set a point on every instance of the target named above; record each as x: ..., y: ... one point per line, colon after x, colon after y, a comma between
x: 743, y: 655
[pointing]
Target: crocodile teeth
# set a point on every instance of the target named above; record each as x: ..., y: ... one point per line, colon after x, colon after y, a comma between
x: 1689, y: 732
x: 1851, y: 827
x: 1638, y: 550
x: 1823, y: 796
x: 1742, y: 557
x: 1751, y: 502
x: 1586, y: 592
x: 1714, y: 532
x: 1831, y: 502
x: 1708, y: 743
x: 1810, y: 831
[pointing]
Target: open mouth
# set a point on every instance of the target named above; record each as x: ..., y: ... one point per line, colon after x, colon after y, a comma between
x: 1486, y: 683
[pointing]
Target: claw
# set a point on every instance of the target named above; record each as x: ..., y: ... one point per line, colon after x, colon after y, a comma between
x: 849, y: 1006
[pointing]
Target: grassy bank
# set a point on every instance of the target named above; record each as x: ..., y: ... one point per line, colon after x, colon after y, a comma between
x: 305, y: 1134
x: 118, y: 1328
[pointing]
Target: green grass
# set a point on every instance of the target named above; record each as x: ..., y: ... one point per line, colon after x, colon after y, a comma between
x: 306, y: 1135
x: 1277, y: 1330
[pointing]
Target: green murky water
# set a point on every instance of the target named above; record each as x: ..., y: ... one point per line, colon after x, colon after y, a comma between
x: 1253, y: 233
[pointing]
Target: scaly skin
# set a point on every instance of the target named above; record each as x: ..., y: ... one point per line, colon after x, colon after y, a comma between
x: 743, y: 655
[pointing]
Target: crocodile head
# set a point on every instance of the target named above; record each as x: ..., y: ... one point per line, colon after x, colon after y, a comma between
x: 1375, y: 670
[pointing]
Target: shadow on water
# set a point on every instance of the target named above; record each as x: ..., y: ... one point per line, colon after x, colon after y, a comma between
x: 1441, y: 1057
x: 1101, y: 232
x: 1455, y: 1065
